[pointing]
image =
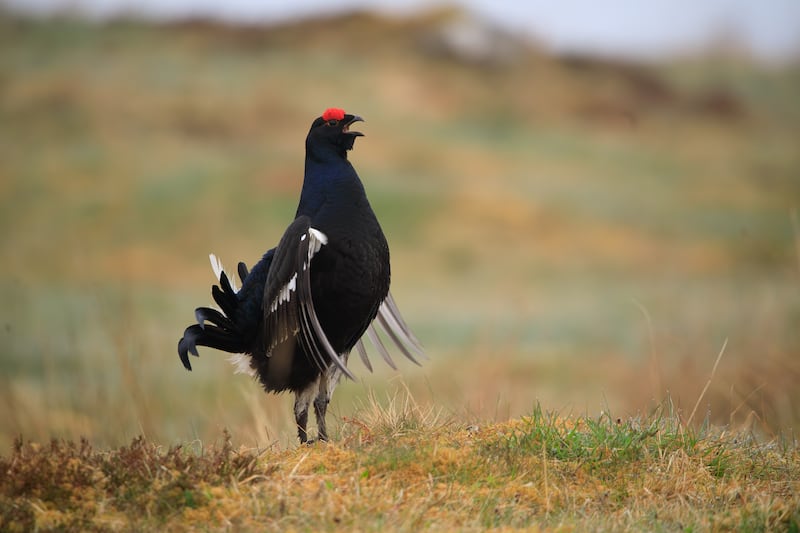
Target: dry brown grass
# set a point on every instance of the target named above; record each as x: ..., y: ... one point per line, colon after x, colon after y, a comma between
x: 403, y: 467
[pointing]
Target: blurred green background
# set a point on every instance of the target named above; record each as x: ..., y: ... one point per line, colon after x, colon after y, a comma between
x: 582, y: 232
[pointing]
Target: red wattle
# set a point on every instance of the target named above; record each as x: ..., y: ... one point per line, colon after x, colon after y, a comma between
x: 333, y: 113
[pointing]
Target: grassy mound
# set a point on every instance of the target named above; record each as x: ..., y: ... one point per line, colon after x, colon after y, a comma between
x: 400, y: 466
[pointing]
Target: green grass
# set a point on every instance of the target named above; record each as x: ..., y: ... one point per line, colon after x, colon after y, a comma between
x: 401, y: 466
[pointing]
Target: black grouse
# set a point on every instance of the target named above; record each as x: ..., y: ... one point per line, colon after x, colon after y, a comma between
x: 309, y: 301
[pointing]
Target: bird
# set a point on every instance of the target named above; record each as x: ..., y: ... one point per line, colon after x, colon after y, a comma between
x: 315, y: 296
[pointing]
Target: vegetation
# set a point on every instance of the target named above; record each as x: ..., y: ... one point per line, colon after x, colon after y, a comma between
x: 566, y: 232
x: 405, y: 467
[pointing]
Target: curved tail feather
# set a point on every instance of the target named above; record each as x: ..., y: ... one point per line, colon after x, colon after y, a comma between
x: 215, y: 329
x: 211, y: 336
x: 242, y: 268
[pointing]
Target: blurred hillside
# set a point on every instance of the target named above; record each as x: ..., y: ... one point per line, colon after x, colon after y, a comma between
x: 579, y: 231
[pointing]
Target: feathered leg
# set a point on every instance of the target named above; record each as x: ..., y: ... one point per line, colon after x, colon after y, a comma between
x: 327, y: 384
x: 302, y: 400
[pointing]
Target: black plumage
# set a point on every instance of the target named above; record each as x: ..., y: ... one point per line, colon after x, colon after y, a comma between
x: 307, y: 303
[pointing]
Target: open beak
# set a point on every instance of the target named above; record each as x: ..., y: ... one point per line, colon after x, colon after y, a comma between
x: 346, y: 128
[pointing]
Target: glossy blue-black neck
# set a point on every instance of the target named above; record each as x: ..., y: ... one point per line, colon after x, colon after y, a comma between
x: 329, y: 179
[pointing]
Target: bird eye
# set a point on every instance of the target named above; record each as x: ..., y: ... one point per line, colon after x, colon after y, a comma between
x: 333, y: 122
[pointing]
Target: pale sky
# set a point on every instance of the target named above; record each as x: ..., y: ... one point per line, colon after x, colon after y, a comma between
x: 770, y: 28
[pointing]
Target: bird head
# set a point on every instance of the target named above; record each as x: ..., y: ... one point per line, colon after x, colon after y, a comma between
x: 331, y: 133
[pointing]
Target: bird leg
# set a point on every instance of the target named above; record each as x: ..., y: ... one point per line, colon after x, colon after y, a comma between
x: 327, y: 384
x: 321, y: 409
x: 301, y: 401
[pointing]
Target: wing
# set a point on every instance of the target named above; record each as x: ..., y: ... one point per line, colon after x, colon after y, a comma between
x: 391, y: 321
x: 288, y: 306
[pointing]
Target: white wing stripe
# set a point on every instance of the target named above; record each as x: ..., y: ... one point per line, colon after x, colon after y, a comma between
x: 316, y: 240
x: 285, y: 294
x: 318, y: 236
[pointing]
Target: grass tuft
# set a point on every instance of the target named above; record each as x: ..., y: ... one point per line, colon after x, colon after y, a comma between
x: 401, y: 466
x: 72, y: 486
